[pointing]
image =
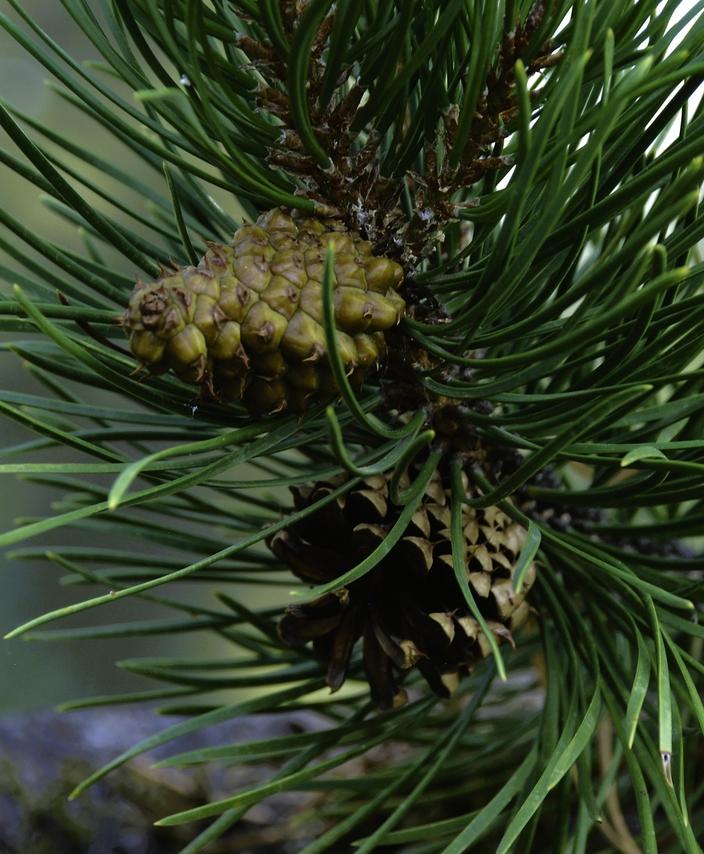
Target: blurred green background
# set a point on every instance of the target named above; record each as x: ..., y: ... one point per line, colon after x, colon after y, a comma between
x: 37, y: 674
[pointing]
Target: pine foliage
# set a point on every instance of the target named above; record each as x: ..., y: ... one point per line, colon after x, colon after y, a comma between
x: 536, y: 167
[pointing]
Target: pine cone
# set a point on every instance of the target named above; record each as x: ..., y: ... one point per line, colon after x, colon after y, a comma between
x: 246, y: 323
x: 409, y: 610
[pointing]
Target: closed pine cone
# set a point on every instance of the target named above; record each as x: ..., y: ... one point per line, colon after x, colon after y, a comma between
x: 247, y: 324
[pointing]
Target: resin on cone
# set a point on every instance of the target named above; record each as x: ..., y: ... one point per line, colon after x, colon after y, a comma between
x: 409, y: 610
x: 247, y: 324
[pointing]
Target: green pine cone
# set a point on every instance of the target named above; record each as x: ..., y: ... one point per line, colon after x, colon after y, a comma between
x: 246, y: 323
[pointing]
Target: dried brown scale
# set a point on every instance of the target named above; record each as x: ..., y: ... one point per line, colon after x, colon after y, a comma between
x: 256, y: 50
x: 296, y: 164
x: 322, y: 36
x: 272, y: 96
x: 290, y: 12
x: 477, y: 170
x: 291, y: 140
x: 344, y: 112
x: 246, y: 323
x: 274, y: 102
x: 535, y: 17
x: 551, y: 58
x: 367, y: 154
x: 409, y: 610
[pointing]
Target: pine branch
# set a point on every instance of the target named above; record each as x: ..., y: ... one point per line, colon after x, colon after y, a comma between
x: 528, y: 446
